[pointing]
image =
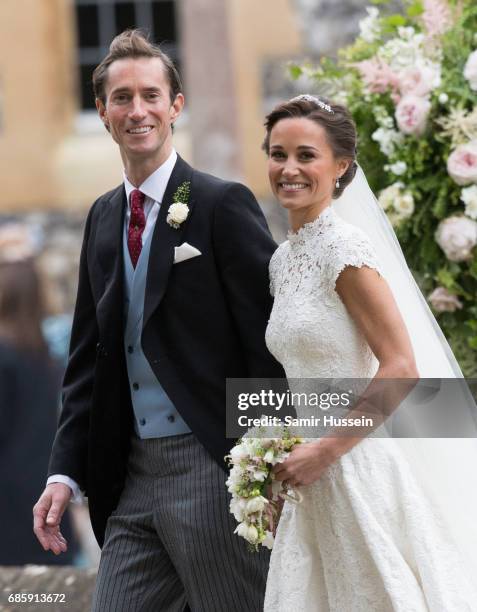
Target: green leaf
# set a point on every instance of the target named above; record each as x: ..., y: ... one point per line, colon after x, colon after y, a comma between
x: 295, y: 71
x: 415, y: 9
x: 394, y: 21
x: 445, y: 278
x: 473, y: 342
x: 473, y: 268
x: 472, y: 324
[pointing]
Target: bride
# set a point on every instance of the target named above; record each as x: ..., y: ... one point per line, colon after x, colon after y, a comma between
x: 370, y: 534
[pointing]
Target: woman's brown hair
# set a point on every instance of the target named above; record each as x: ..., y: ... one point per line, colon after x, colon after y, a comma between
x: 337, y: 122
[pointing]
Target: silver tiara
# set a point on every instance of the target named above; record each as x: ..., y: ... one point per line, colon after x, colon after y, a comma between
x: 317, y: 101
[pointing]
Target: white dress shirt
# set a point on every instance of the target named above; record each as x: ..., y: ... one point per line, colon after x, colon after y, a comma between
x: 153, y: 188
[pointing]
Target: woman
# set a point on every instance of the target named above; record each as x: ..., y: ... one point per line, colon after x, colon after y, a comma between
x: 29, y: 395
x: 365, y: 537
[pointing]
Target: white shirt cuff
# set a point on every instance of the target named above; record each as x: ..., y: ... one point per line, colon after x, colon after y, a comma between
x: 77, y: 496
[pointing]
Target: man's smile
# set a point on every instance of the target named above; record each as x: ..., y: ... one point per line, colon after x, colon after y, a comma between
x: 143, y: 129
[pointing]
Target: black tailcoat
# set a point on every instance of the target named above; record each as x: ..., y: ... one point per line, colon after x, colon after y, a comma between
x: 204, y: 321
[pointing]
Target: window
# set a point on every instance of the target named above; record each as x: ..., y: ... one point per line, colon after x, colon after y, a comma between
x: 98, y: 21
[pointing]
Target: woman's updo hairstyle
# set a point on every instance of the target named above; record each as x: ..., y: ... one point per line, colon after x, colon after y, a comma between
x: 334, y: 118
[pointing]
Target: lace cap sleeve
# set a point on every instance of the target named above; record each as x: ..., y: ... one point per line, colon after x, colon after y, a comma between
x: 351, y: 248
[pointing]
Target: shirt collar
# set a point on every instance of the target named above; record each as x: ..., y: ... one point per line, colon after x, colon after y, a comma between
x: 155, y: 184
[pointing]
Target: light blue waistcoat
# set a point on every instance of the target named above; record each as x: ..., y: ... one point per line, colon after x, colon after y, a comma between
x: 154, y: 414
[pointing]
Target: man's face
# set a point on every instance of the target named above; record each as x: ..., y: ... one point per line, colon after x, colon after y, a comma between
x: 138, y: 110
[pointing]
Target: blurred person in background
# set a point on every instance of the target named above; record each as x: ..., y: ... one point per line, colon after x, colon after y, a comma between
x: 29, y: 394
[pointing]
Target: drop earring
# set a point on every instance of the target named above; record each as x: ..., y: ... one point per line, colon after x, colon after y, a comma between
x: 337, y: 184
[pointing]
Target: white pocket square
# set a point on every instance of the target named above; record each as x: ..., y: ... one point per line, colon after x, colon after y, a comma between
x: 185, y: 251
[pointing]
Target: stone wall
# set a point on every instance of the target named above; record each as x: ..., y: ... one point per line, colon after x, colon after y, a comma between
x: 76, y: 585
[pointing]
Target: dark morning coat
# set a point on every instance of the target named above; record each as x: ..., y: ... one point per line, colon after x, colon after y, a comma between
x: 204, y: 321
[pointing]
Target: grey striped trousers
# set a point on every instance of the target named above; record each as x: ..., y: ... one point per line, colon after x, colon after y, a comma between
x: 170, y: 544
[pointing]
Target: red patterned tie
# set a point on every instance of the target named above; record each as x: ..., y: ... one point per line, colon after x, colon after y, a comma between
x: 137, y: 223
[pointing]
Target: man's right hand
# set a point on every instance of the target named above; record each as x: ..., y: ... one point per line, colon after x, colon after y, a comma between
x: 47, y: 515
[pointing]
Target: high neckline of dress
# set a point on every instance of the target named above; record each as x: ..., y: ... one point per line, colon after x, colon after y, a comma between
x: 312, y: 228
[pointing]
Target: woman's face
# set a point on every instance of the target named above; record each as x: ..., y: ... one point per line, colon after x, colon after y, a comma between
x: 301, y: 166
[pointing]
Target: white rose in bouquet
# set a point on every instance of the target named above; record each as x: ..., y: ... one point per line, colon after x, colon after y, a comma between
x: 470, y: 70
x: 237, y: 508
x: 469, y: 197
x: 443, y: 301
x: 462, y: 163
x: 249, y: 532
x: 457, y: 236
x: 256, y: 504
x: 412, y: 113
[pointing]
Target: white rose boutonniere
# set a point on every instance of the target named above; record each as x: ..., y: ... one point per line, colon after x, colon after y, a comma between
x: 179, y: 211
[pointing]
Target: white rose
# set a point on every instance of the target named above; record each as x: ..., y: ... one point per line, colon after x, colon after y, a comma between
x: 457, y: 236
x: 404, y: 205
x: 387, y: 140
x: 462, y: 163
x: 269, y: 456
x: 238, y: 453
x: 237, y: 508
x: 268, y: 540
x: 389, y: 195
x: 256, y: 504
x: 234, y: 479
x: 443, y: 301
x: 242, y: 529
x: 398, y: 168
x: 469, y: 197
x: 259, y: 475
x: 470, y: 70
x: 249, y: 532
x: 178, y: 212
x: 418, y: 81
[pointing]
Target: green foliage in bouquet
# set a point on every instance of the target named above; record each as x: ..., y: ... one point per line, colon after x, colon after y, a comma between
x: 410, y: 82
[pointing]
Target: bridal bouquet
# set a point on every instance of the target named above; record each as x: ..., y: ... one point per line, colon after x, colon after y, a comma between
x: 410, y: 81
x: 256, y: 495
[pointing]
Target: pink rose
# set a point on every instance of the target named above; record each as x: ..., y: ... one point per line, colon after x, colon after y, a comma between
x: 462, y: 163
x: 416, y: 81
x: 377, y: 76
x: 457, y: 236
x: 443, y: 301
x: 411, y: 114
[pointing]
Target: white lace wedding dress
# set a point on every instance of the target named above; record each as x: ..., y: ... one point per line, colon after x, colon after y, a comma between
x: 364, y: 538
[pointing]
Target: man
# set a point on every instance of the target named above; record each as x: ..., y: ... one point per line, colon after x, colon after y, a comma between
x: 172, y: 300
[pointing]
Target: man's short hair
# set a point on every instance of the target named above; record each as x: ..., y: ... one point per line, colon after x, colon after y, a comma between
x: 133, y: 43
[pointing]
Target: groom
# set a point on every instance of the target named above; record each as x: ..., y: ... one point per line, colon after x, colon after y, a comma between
x: 172, y: 300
